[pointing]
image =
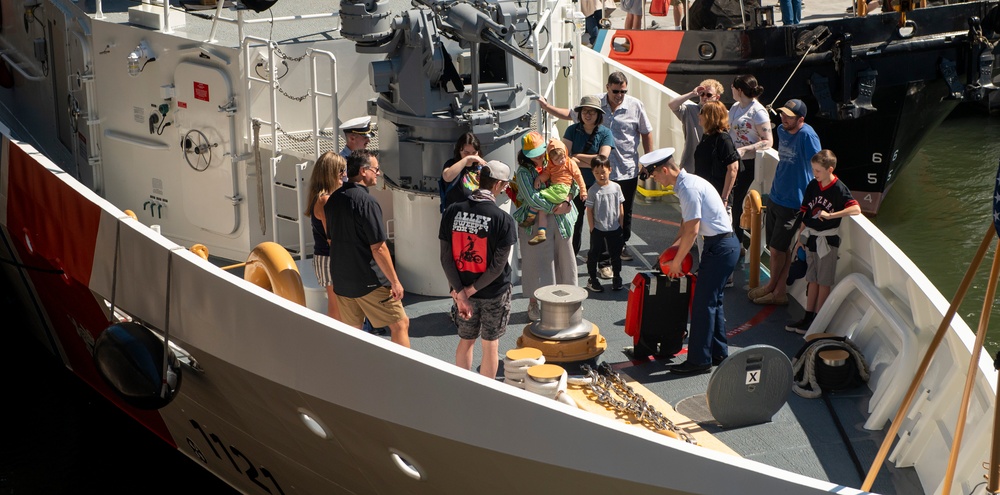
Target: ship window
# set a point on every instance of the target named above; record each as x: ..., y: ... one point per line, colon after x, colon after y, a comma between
x: 706, y: 51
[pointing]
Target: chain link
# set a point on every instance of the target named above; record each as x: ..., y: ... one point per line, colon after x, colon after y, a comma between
x: 607, y: 384
x: 302, y: 139
x: 285, y: 56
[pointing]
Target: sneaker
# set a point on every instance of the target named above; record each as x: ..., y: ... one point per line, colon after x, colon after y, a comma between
x: 606, y: 273
x: 626, y: 256
x: 528, y: 220
x: 538, y: 239
x: 594, y: 285
x: 718, y: 360
x: 534, y: 314
x: 617, y: 284
x: 729, y: 283
x: 800, y: 327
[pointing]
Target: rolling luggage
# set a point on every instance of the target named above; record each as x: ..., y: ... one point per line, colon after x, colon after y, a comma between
x: 657, y: 313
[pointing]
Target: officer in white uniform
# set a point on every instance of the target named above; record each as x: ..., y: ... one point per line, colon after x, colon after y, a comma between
x: 703, y: 214
x: 357, y: 133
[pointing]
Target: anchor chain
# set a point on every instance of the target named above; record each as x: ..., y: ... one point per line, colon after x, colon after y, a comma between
x: 607, y: 384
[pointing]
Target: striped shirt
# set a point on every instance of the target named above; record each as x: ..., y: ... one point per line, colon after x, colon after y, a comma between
x: 529, y: 198
x: 627, y: 123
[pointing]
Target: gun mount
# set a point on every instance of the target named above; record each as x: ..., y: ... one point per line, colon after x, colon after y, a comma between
x: 450, y: 68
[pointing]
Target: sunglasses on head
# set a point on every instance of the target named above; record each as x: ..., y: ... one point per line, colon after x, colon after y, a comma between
x: 619, y: 91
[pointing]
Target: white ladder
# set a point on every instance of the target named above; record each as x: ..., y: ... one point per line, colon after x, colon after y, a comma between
x: 294, y: 218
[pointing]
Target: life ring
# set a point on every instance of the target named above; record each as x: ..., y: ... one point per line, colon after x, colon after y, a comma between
x: 270, y: 267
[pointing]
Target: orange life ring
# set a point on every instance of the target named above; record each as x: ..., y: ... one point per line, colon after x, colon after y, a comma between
x: 270, y: 267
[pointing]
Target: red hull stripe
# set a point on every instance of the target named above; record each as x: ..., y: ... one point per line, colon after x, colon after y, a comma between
x: 649, y: 52
x: 60, y: 224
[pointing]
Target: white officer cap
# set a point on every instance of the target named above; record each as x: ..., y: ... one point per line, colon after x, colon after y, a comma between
x: 656, y: 156
x: 360, y: 125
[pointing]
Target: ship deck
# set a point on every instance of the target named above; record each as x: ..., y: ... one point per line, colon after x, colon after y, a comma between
x: 822, y: 438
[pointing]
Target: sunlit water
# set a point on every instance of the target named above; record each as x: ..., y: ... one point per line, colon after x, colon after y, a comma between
x: 940, y: 207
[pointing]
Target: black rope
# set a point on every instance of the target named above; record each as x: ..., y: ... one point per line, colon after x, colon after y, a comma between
x: 30, y: 267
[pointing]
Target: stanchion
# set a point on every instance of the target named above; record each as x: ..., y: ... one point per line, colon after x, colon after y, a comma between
x: 750, y: 219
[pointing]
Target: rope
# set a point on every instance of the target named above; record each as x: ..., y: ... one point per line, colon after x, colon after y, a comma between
x: 770, y: 106
x: 804, y: 365
x: 552, y: 390
x: 260, y: 177
x: 114, y: 270
x: 165, y: 387
x: 516, y: 370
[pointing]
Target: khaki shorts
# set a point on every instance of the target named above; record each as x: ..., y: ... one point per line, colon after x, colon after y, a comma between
x: 378, y: 305
x: 823, y: 270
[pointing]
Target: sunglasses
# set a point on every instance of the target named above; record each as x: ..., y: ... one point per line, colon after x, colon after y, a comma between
x: 619, y: 91
x: 707, y: 95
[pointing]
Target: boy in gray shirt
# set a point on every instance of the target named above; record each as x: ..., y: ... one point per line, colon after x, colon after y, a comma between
x: 605, y: 216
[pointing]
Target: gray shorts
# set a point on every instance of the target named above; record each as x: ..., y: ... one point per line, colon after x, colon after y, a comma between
x: 823, y: 270
x: 489, y: 318
x: 321, y: 266
x: 776, y: 223
x: 634, y: 7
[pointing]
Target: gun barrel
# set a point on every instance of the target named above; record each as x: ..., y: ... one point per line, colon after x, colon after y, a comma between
x: 491, y: 38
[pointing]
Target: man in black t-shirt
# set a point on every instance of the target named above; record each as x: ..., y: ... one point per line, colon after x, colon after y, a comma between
x: 476, y: 238
x: 365, y: 280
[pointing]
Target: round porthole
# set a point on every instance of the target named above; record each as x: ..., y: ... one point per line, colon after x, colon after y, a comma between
x: 706, y: 50
x: 405, y: 465
x: 313, y: 424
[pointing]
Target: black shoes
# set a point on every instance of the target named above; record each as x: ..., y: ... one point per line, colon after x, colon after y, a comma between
x: 718, y: 360
x: 594, y: 285
x: 626, y: 256
x: 689, y: 368
x: 617, y: 284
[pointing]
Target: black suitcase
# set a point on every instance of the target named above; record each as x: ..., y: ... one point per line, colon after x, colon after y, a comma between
x: 657, y: 313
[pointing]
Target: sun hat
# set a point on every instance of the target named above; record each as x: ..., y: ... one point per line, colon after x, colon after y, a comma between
x: 533, y: 144
x: 589, y: 101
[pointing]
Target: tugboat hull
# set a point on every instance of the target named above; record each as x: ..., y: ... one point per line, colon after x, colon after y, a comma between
x: 874, y: 90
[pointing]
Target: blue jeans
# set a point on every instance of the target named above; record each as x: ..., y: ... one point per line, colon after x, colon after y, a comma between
x: 590, y: 26
x: 791, y: 11
x: 708, y: 320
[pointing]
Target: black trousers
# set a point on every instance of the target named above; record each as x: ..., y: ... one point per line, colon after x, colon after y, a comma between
x: 613, y: 242
x: 740, y: 188
x: 628, y: 189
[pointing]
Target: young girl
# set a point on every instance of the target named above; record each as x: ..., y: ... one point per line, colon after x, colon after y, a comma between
x: 559, y: 174
x: 327, y: 177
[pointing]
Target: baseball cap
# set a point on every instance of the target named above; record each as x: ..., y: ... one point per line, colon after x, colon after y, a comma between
x: 533, y: 144
x: 497, y: 170
x: 794, y: 108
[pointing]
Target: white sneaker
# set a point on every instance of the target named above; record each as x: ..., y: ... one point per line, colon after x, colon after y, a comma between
x: 534, y: 314
x: 605, y: 272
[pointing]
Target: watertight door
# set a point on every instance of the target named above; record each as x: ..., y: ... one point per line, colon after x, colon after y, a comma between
x: 202, y: 91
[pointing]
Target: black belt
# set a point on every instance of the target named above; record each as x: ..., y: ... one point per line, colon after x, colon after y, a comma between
x: 718, y: 237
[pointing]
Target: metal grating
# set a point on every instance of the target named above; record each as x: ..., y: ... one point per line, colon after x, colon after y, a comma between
x: 300, y: 143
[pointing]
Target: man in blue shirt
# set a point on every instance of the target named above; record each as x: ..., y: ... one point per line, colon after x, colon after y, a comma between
x: 797, y: 143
